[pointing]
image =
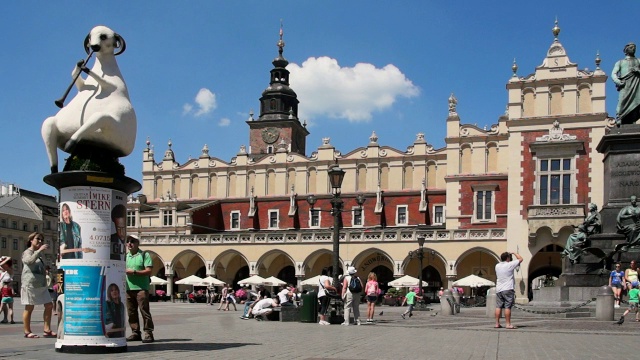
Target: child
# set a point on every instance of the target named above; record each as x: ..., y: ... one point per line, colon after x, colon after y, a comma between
x: 7, y: 301
x: 410, y: 299
x: 633, y: 301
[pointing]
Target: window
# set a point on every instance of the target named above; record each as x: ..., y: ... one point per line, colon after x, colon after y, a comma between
x: 4, y: 242
x: 438, y: 215
x: 131, y: 218
x: 47, y: 225
x: 35, y: 228
x: 270, y: 149
x: 235, y: 219
x: 484, y: 205
x: 314, y: 218
x: 25, y: 227
x: 555, y: 181
x: 273, y: 219
x: 15, y: 244
x: 3, y: 223
x: 167, y: 217
x: 14, y: 225
x: 401, y: 215
x: 358, y: 216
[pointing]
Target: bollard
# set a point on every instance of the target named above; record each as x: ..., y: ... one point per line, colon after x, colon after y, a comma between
x: 447, y: 303
x: 456, y: 300
x: 604, y: 304
x: 491, y: 302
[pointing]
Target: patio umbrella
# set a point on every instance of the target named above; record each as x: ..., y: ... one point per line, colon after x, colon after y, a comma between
x: 274, y: 281
x: 252, y: 280
x: 210, y: 280
x: 157, y: 281
x: 406, y: 281
x: 473, y: 281
x: 313, y: 281
x: 190, y: 280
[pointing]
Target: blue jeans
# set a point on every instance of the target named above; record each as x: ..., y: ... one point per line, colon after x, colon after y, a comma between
x: 245, y: 311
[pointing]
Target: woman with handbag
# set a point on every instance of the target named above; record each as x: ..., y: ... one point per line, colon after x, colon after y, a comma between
x: 323, y: 294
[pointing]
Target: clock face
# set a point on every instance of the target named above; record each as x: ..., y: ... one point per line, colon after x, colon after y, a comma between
x: 270, y: 135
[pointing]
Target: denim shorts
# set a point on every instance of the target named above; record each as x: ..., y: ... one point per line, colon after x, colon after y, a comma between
x: 505, y: 299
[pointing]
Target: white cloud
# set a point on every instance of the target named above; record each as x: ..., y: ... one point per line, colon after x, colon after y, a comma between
x: 224, y: 122
x: 352, y: 93
x: 205, y: 103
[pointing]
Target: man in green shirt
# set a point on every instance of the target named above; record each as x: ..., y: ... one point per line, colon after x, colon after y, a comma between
x: 138, y: 271
x: 410, y: 299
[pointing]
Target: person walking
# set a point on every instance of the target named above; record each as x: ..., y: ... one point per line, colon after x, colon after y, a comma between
x: 34, y: 285
x: 616, y: 282
x: 325, y: 285
x: 6, y: 277
x: 371, y: 289
x: 138, y: 272
x: 633, y: 302
x: 223, y: 297
x: 505, y: 287
x: 410, y: 300
x: 351, y: 289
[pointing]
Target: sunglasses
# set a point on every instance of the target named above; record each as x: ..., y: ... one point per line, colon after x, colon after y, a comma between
x: 131, y: 242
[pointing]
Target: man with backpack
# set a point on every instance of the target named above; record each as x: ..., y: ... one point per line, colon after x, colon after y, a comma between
x: 351, y: 289
x: 138, y: 271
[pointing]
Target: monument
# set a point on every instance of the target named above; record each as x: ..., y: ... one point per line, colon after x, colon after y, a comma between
x: 614, y: 235
x: 96, y: 128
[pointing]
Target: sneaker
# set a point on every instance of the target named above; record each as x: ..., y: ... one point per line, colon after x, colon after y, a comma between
x: 134, y: 337
x: 148, y: 338
x: 322, y: 322
x: 358, y: 322
x: 244, y: 317
x: 616, y: 306
x: 369, y: 321
x: 410, y: 314
x: 403, y: 316
x: 345, y: 324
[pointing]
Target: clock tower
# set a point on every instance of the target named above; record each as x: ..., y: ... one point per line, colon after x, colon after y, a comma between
x: 278, y: 125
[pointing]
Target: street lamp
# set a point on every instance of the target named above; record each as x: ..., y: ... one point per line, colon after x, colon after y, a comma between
x: 420, y: 254
x: 336, y: 175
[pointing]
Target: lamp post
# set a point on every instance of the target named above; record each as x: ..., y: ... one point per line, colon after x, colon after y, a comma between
x: 420, y: 255
x: 336, y: 175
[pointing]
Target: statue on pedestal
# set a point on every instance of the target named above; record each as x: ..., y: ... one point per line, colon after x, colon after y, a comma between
x: 628, y: 223
x: 626, y: 76
x: 575, y: 244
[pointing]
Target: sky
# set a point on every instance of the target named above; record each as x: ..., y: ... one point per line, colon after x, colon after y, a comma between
x: 195, y: 69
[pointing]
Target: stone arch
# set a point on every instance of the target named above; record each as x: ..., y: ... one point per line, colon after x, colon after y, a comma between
x: 316, y: 261
x: 186, y: 263
x: 378, y: 261
x: 158, y: 264
x: 277, y: 263
x: 231, y: 266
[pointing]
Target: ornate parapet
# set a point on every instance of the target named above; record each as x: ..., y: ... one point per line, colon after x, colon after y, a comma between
x: 554, y: 217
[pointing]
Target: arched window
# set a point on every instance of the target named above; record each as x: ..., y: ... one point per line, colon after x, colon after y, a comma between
x: 431, y: 174
x: 176, y: 186
x: 384, y: 176
x: 271, y: 182
x: 465, y: 159
x: 195, y: 183
x: 491, y: 164
x: 311, y: 180
x: 251, y: 181
x: 291, y: 179
x: 584, y: 100
x: 231, y: 187
x: 528, y: 103
x: 361, y: 175
x: 213, y: 185
x: 407, y: 176
x: 157, y: 191
x: 555, y: 101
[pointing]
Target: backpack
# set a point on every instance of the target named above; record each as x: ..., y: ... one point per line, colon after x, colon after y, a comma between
x: 355, y: 286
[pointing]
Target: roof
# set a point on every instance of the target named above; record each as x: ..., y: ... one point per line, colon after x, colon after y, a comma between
x: 19, y: 206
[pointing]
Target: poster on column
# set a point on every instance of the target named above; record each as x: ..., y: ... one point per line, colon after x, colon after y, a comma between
x: 92, y: 235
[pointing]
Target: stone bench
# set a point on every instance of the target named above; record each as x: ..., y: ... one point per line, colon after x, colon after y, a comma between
x: 289, y: 313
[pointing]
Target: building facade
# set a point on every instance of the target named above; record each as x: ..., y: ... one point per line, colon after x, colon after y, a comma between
x: 518, y: 185
x: 23, y: 212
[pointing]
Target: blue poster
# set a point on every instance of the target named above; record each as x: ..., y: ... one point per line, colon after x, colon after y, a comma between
x: 84, y: 295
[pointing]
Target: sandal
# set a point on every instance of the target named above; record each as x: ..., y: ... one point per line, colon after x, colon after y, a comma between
x: 31, y: 336
x: 49, y: 334
x: 12, y: 322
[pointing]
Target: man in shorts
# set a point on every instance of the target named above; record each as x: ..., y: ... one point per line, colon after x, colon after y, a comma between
x: 633, y: 302
x: 505, y: 287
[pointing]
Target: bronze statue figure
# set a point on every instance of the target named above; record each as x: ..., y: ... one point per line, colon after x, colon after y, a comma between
x: 626, y: 76
x: 628, y: 223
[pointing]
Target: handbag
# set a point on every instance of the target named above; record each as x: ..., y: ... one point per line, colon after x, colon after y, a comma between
x: 332, y: 294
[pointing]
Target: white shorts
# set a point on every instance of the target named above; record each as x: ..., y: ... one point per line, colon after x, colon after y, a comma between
x: 261, y: 311
x: 34, y: 296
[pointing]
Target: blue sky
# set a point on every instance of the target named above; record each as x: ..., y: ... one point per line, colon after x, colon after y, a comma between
x: 195, y: 69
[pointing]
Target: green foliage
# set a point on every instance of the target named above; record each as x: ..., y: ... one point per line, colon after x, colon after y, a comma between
x: 94, y: 159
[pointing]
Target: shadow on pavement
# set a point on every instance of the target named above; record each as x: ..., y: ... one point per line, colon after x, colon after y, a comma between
x: 185, y: 345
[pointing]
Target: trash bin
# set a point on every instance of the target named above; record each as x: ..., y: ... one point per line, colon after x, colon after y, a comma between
x: 309, y: 307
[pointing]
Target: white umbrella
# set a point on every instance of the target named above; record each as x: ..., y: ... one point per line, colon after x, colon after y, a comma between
x: 158, y: 281
x: 406, y: 281
x: 274, y: 281
x: 313, y: 281
x: 190, y: 280
x: 210, y: 280
x: 473, y: 281
x: 252, y: 280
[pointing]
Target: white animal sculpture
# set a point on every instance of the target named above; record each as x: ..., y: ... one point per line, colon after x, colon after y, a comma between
x: 101, y: 114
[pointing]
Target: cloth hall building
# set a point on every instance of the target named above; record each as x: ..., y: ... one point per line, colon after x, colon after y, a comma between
x: 518, y: 185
